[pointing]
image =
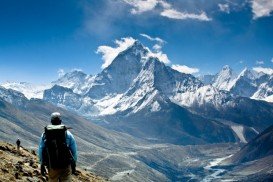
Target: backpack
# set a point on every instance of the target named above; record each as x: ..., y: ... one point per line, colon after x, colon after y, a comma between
x: 56, y: 153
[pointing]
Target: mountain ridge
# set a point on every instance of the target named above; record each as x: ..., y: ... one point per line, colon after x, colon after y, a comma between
x: 135, y: 82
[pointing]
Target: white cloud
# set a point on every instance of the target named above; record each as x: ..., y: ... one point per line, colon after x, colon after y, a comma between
x: 159, y: 42
x: 224, y: 8
x: 263, y: 70
x: 261, y: 8
x: 157, y: 39
x: 165, y: 5
x: 174, y: 14
x: 184, y: 69
x: 109, y: 53
x: 157, y: 47
x: 272, y: 60
x: 141, y: 6
x: 260, y: 62
x: 61, y: 72
x: 160, y: 55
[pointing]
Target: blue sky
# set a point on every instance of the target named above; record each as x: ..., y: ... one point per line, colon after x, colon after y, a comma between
x: 40, y: 37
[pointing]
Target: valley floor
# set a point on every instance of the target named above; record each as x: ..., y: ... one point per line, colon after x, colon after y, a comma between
x: 163, y: 162
x: 149, y: 162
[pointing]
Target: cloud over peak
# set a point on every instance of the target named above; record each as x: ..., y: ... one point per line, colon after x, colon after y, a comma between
x: 184, y: 69
x: 61, y: 72
x: 260, y: 69
x: 109, y: 53
x: 157, y: 39
x: 157, y: 48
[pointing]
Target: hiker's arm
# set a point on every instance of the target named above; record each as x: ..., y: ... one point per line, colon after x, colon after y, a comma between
x: 72, y: 145
x: 40, y: 149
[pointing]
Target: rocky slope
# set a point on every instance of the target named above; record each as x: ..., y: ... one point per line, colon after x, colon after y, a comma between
x: 24, y: 166
x: 257, y: 148
x: 254, y: 160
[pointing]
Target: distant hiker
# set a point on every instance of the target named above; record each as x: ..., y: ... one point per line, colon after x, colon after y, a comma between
x: 57, y: 151
x: 18, y: 143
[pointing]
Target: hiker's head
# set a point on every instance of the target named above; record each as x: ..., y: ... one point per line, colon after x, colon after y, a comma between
x: 56, y: 118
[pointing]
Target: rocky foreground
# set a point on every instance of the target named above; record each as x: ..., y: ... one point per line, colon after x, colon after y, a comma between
x: 24, y: 166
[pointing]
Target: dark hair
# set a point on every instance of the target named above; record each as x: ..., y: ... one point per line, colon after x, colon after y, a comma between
x: 56, y: 121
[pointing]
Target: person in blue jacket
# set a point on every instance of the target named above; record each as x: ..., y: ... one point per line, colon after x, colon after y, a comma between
x: 61, y: 172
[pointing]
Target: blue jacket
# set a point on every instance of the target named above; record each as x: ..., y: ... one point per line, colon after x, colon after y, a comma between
x: 70, y: 141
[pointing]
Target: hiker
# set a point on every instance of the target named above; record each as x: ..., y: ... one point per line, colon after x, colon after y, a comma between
x: 18, y: 143
x: 57, y: 151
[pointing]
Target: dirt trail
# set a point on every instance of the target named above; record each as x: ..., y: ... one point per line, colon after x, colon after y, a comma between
x: 24, y: 166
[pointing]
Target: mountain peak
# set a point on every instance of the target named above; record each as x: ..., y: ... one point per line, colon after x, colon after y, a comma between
x: 137, y: 49
x: 226, y: 67
x: 72, y: 79
x: 74, y: 73
x: 223, y: 79
x: 250, y: 74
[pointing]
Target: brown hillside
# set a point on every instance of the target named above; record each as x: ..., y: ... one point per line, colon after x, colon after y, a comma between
x: 25, y: 167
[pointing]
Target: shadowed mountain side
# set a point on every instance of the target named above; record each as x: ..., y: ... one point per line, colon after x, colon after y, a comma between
x: 31, y: 119
x: 245, y: 111
x: 254, y: 160
x: 172, y: 124
x: 257, y: 148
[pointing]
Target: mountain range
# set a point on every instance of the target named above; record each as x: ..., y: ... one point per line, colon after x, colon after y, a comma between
x: 248, y: 83
x: 143, y: 97
x: 146, y: 112
x: 113, y: 155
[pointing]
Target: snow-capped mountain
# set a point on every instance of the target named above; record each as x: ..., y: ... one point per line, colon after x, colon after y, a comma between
x: 249, y: 83
x: 74, y: 80
x: 245, y: 84
x: 136, y: 89
x: 28, y: 89
x: 119, y: 75
x: 223, y: 79
x: 206, y: 79
x: 155, y: 80
x: 265, y: 90
x: 204, y: 96
x: 12, y: 96
x: 121, y: 86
